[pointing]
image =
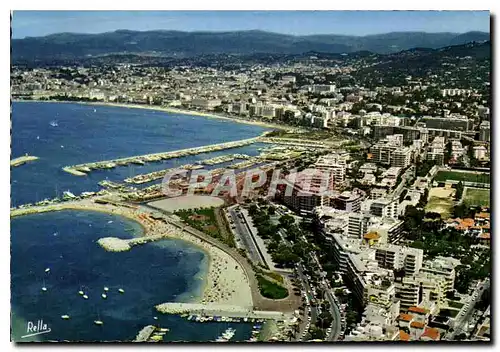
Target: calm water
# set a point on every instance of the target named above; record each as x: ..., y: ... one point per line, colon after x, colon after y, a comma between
x: 83, y: 136
x: 65, y: 241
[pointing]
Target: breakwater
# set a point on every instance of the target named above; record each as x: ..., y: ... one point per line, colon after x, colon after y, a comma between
x: 83, y: 169
x: 214, y: 309
x: 22, y: 160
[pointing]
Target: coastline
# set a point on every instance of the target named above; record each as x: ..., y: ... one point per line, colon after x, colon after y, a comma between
x: 224, y: 281
x: 164, y: 109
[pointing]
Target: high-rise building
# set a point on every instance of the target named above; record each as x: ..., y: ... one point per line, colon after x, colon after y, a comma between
x: 484, y: 131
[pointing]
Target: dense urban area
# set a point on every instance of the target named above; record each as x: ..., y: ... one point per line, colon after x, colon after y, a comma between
x: 397, y: 250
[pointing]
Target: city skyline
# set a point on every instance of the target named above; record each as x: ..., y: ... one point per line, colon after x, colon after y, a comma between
x: 357, y: 23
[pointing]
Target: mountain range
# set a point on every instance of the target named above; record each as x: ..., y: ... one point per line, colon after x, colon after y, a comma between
x: 188, y: 44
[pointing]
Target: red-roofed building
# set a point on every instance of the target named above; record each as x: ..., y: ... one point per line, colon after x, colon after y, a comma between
x: 403, y: 336
x: 430, y: 334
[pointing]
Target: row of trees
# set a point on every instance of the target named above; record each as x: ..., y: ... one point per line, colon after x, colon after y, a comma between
x: 283, y: 254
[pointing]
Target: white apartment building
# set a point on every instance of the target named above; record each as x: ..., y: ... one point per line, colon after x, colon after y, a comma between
x: 382, y: 207
x: 334, y: 163
x: 391, y: 151
x: 455, y: 92
x: 480, y: 152
x: 322, y: 88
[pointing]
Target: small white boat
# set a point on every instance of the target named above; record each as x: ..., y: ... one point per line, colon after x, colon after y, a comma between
x: 85, y: 297
x: 110, y: 221
x: 155, y: 318
x: 44, y: 289
x: 37, y: 137
x: 80, y: 293
x: 104, y: 296
x: 106, y: 289
x: 65, y: 317
x: 47, y: 270
x: 62, y: 146
x: 54, y: 123
x: 98, y: 322
x: 95, y: 110
x: 121, y: 290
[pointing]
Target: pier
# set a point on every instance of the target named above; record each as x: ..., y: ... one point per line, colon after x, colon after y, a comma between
x: 223, y: 159
x: 145, y: 334
x: 151, y: 333
x: 214, y: 309
x: 82, y: 169
x: 23, y: 160
x: 300, y: 142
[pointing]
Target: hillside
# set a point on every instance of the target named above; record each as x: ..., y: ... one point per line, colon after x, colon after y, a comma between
x: 189, y: 44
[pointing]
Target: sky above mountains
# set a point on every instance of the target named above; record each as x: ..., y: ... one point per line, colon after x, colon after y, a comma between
x: 40, y: 23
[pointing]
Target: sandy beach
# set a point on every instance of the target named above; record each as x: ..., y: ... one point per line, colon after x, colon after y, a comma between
x: 167, y: 109
x: 226, y: 282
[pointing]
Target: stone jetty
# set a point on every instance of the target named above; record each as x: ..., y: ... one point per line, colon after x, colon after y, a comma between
x: 22, y: 160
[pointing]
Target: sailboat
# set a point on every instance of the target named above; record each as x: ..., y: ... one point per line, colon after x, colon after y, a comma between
x: 98, y: 321
x: 54, y: 123
x: 44, y: 289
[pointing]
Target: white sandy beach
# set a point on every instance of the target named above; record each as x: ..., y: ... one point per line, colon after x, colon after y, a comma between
x: 168, y: 109
x: 226, y: 282
x: 189, y: 112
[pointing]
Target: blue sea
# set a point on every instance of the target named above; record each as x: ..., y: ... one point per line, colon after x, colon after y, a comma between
x: 65, y: 242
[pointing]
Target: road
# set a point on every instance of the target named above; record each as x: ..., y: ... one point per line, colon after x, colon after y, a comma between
x: 334, y: 305
x: 245, y: 234
x: 309, y: 294
x: 461, y: 324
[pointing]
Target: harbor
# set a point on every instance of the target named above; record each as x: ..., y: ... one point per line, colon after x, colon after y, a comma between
x: 22, y: 160
x: 84, y: 169
x: 156, y: 175
x: 223, y: 159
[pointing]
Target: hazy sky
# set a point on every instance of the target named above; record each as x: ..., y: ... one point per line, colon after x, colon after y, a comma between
x: 38, y: 23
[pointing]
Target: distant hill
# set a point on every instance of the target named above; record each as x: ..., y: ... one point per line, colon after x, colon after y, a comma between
x: 188, y: 44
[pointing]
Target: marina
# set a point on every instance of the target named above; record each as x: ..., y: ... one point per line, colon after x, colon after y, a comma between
x: 151, y: 333
x: 84, y: 169
x: 223, y: 159
x: 68, y: 233
x: 156, y: 175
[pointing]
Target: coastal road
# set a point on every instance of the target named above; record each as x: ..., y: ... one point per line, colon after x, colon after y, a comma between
x: 310, y: 296
x: 334, y: 305
x: 244, y: 232
x: 461, y: 325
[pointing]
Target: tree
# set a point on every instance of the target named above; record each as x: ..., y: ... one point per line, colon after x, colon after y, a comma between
x: 447, y: 153
x: 252, y: 210
x: 316, y: 333
x: 460, y: 190
x: 325, y: 319
x: 286, y: 221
